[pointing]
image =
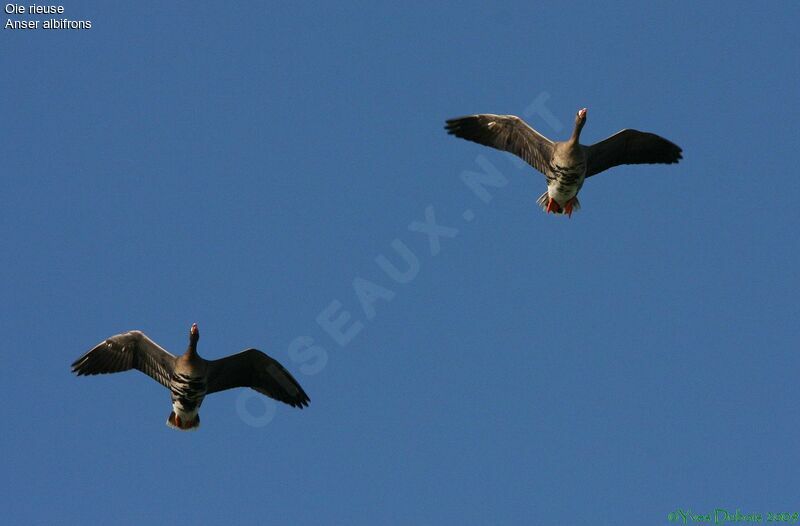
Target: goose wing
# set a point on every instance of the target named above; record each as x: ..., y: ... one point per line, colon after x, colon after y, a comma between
x: 630, y: 147
x: 254, y: 369
x: 505, y: 132
x: 122, y: 352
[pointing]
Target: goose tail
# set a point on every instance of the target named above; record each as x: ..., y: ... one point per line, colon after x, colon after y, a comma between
x: 175, y: 422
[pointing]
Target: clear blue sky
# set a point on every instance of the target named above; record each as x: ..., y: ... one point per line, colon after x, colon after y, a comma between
x: 240, y: 166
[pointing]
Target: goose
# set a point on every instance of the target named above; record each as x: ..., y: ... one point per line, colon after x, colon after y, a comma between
x: 189, y: 377
x: 565, y: 164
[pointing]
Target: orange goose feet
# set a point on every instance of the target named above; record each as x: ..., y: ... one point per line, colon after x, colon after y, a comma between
x: 568, y: 206
x: 552, y: 206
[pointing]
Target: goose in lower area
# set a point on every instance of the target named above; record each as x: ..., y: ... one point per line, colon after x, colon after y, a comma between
x: 189, y: 377
x: 568, y: 163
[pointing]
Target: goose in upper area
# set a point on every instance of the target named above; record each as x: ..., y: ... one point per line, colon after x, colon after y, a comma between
x: 189, y: 377
x: 565, y: 164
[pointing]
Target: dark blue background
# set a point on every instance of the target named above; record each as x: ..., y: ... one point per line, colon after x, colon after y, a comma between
x: 240, y: 165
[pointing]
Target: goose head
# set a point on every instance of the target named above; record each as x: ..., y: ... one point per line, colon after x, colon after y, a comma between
x: 194, y: 335
x: 580, y: 120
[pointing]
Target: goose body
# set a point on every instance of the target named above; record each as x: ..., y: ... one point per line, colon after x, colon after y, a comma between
x: 565, y: 175
x: 565, y: 164
x: 189, y: 377
x: 188, y: 387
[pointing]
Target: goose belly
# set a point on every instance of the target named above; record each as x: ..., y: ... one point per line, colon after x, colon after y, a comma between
x: 187, y: 395
x: 566, y: 183
x: 561, y: 193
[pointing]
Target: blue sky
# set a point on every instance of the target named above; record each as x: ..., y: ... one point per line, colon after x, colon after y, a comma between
x: 242, y: 165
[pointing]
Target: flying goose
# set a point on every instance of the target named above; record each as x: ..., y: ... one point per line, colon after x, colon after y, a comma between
x: 189, y: 377
x: 565, y: 164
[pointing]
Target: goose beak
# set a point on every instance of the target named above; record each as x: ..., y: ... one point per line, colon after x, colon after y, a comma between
x: 582, y: 113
